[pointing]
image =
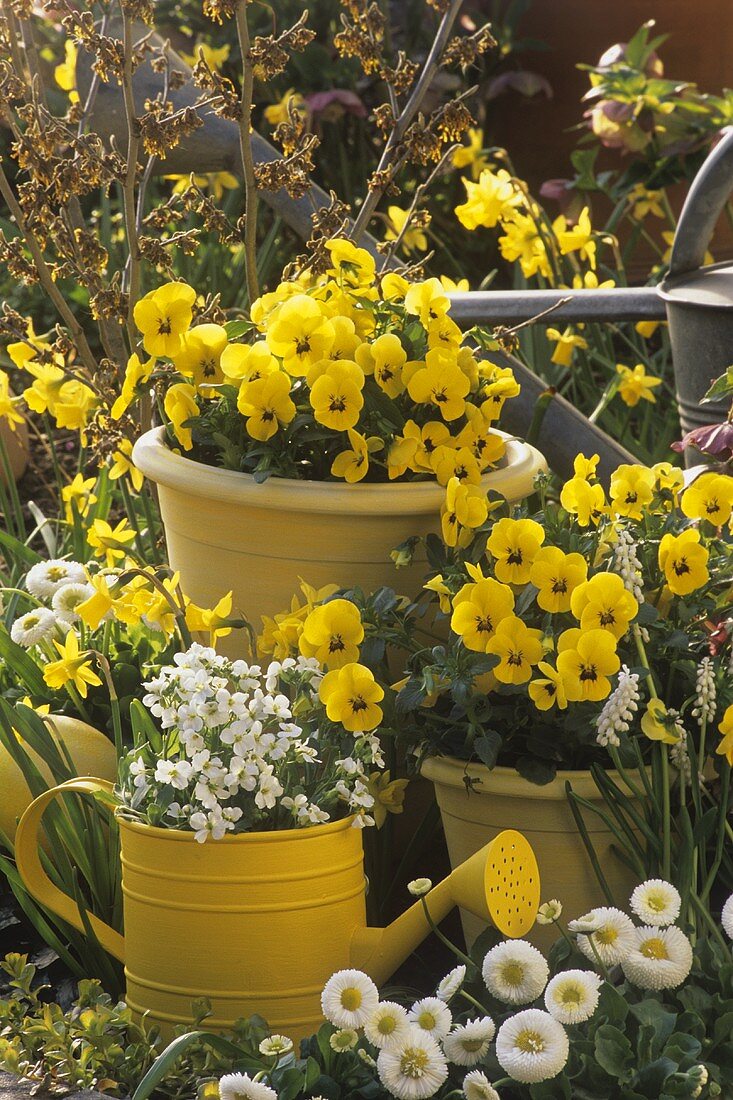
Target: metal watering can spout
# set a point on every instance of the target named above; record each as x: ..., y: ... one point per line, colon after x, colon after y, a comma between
x: 500, y: 884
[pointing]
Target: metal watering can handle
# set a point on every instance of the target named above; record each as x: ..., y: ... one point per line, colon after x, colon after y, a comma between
x: 36, y: 880
x: 704, y: 204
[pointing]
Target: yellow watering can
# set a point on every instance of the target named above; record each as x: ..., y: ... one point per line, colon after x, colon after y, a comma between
x: 258, y: 922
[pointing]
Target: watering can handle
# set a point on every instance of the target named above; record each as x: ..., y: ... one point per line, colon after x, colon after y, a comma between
x: 36, y: 880
x: 705, y: 202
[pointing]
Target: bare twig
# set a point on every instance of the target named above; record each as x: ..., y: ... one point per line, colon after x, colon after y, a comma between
x: 419, y: 192
x: 245, y: 143
x: 131, y: 274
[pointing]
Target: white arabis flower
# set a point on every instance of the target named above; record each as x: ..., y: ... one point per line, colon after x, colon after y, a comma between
x: 414, y: 1069
x: 612, y: 933
x: 419, y: 887
x: 387, y: 1026
x: 275, y: 1046
x: 46, y: 577
x: 466, y: 1045
x: 515, y: 972
x: 240, y: 1086
x: 619, y: 709
x: 549, y: 912
x: 451, y: 983
x: 572, y: 996
x: 33, y: 627
x: 431, y: 1015
x: 726, y: 917
x: 476, y: 1086
x: 343, y: 1040
x: 532, y: 1046
x: 656, y: 902
x: 349, y: 998
x: 176, y: 773
x: 660, y: 959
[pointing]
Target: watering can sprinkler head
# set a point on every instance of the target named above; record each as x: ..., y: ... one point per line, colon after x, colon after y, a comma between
x: 500, y: 884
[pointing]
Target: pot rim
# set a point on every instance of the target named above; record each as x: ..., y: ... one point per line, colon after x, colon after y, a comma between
x: 449, y: 770
x: 183, y: 836
x: 196, y: 479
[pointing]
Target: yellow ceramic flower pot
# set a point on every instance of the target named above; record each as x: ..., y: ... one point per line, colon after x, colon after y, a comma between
x: 502, y: 799
x: 224, y: 531
x: 91, y: 753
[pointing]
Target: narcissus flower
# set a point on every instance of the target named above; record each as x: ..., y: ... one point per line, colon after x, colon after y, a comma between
x: 199, y: 356
x: 636, y: 385
x: 465, y: 508
x: 709, y: 497
x: 388, y: 795
x: 332, y: 633
x: 684, y: 561
x: 136, y: 372
x: 471, y: 154
x: 556, y: 576
x: 278, y: 112
x: 180, y: 406
x: 725, y: 747
x: 489, y: 200
x: 110, y: 543
x: 123, y: 466
x: 565, y: 344
x: 8, y: 410
x: 585, y: 660
x: 214, y: 621
x: 576, y: 238
x: 351, y: 695
x: 604, y: 602
x: 267, y: 404
x: 73, y: 667
x: 163, y: 316
x: 414, y: 239
x: 478, y: 608
x: 518, y: 648
x: 632, y: 488
x: 514, y: 544
x: 523, y: 241
x: 300, y: 334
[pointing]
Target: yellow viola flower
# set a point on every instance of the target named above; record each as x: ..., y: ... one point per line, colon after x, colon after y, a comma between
x: 576, y: 238
x: 725, y: 748
x: 668, y: 477
x: 523, y: 241
x: 428, y: 301
x: 352, y: 465
x: 548, y: 690
x: 709, y: 497
x: 333, y: 633
x: 401, y: 456
x: 454, y: 286
x: 585, y: 660
x: 585, y: 467
x: 72, y: 667
x: 393, y: 287
x: 123, y: 466
x: 352, y: 267
x: 603, y: 603
x: 478, y: 608
x: 684, y: 561
x: 65, y: 73
x: 556, y: 575
x: 513, y: 544
x: 636, y: 385
x: 214, y: 620
x: 437, y: 585
x: 489, y: 200
x: 180, y: 406
x: 498, y: 384
x: 632, y: 488
x: 110, y: 543
x: 442, y: 383
x: 646, y: 329
x: 267, y: 404
x: 300, y: 334
x: 78, y: 496
x: 471, y: 154
x: 459, y: 462
x: 486, y: 446
x: 584, y: 501
x: 351, y: 696
x: 428, y: 439
x: 518, y: 648
x: 385, y: 359
x: 658, y: 724
x: 336, y: 397
x: 465, y: 508
x: 199, y: 356
x: 565, y: 344
x: 214, y: 56
x: 346, y: 340
x: 92, y: 610
x: 388, y: 795
x: 291, y: 100
x: 136, y: 372
x: 265, y: 308
x: 247, y: 362
x: 163, y: 316
x: 445, y: 333
x: 644, y: 201
x: 414, y: 240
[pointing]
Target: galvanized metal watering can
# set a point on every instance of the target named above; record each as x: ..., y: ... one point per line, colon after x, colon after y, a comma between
x: 258, y: 922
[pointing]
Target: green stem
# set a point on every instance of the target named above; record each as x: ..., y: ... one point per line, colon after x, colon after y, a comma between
x: 444, y: 939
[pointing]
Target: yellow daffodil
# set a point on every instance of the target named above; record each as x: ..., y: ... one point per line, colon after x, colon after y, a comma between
x: 110, y: 543
x: 180, y: 407
x: 585, y: 660
x: 632, y: 488
x: 163, y: 316
x: 442, y: 383
x: 291, y: 100
x: 576, y: 238
x: 8, y: 410
x: 333, y: 633
x: 709, y: 497
x: 514, y: 543
x: 336, y: 397
x: 658, y: 725
x: 518, y: 648
x: 471, y: 154
x: 216, y: 183
x: 548, y: 690
x: 157, y: 605
x: 565, y: 344
x: 668, y: 238
x: 92, y: 610
x: 636, y: 385
x: 603, y: 603
x: 78, y: 496
x: 247, y: 362
x: 352, y: 267
x: 43, y: 393
x: 437, y: 585
x: 590, y: 281
x: 454, y: 286
x: 464, y: 509
x: 523, y: 241
x: 556, y: 576
x: 414, y: 240
x: 351, y: 696
x: 684, y: 561
x: 199, y: 356
x: 72, y: 667
x: 725, y: 747
x: 583, y: 500
x: 267, y: 404
x: 353, y: 465
x: 489, y: 200
x: 384, y: 358
x: 214, y: 620
x: 300, y: 334
x: 123, y: 466
x: 388, y: 795
x: 214, y: 56
x: 428, y: 301
x: 478, y: 608
x: 136, y: 372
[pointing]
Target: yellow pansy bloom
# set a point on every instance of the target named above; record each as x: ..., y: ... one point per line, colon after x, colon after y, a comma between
x: 709, y: 497
x: 163, y: 316
x: 384, y: 358
x: 73, y: 667
x: 428, y: 301
x: 110, y: 543
x: 725, y: 748
x: 585, y: 467
x: 464, y: 509
x: 458, y: 462
x: 548, y: 690
x: 414, y: 240
x: 437, y: 585
x: 478, y: 608
x: 603, y: 603
x: 658, y: 725
x: 445, y: 333
x: 684, y: 561
x: 300, y: 335
x: 636, y: 385
x: 442, y: 383
x: 565, y: 344
x: 513, y: 544
x: 632, y: 488
x: 135, y: 372
x: 584, y: 501
x: 351, y: 696
x: 333, y: 633
x: 214, y: 620
x: 352, y: 267
x: 123, y: 466
x: 336, y: 397
x: 518, y: 648
x: 353, y: 465
x: 498, y: 384
x: 388, y: 795
x: 41, y: 396
x: 556, y: 575
x: 585, y: 660
x: 266, y: 403
x: 576, y: 238
x: 180, y: 406
x: 74, y: 401
x: 199, y: 356
x: 247, y: 362
x: 489, y: 200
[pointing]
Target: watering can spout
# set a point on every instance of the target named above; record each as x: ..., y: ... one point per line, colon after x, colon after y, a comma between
x: 500, y: 884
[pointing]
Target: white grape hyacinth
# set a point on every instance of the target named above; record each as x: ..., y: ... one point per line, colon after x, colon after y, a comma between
x: 414, y: 1069
x: 661, y: 958
x: 34, y: 627
x: 468, y: 1044
x: 515, y: 972
x: 612, y: 932
x: 476, y: 1086
x: 572, y: 996
x: 387, y: 1026
x: 656, y: 902
x: 532, y: 1046
x: 349, y: 998
x: 451, y: 983
x: 619, y: 709
x: 726, y: 917
x: 432, y: 1015
x: 240, y: 1086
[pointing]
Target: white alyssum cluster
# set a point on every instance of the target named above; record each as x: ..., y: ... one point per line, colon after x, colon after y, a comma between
x: 59, y: 586
x: 705, y: 702
x: 627, y: 564
x: 619, y: 709
x: 235, y: 755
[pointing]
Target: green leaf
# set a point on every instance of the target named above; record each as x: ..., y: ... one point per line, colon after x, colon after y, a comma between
x: 487, y: 747
x: 22, y: 665
x: 651, y: 1014
x: 535, y: 770
x: 612, y: 1051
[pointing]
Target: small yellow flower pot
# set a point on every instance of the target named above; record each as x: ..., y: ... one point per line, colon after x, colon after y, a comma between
x: 502, y: 799
x: 224, y: 531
